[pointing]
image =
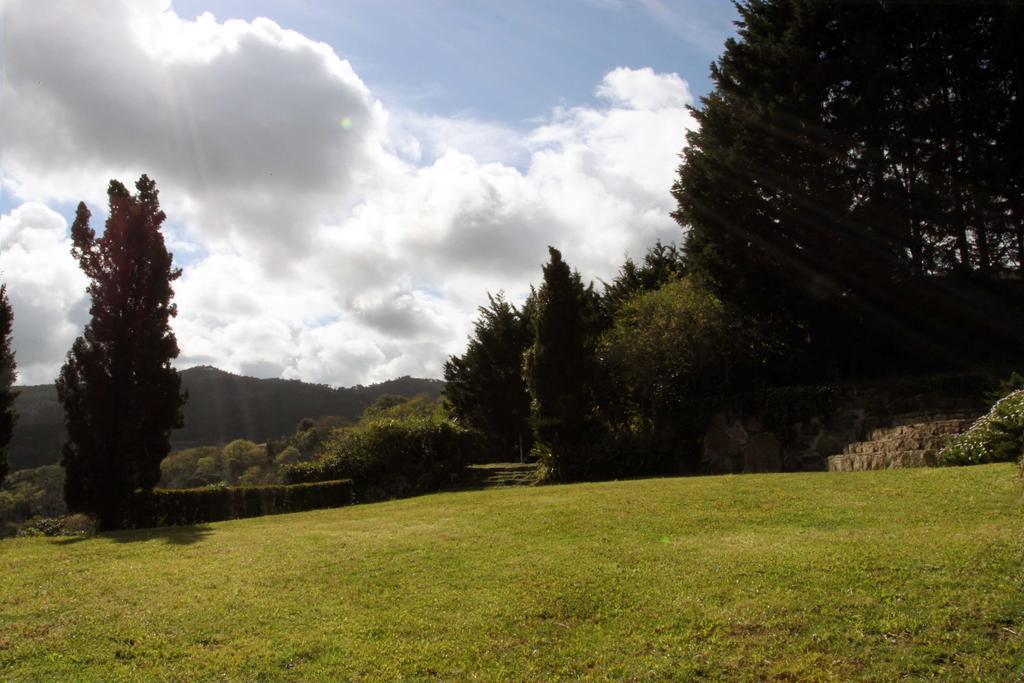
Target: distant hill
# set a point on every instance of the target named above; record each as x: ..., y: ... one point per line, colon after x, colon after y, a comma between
x: 221, y: 407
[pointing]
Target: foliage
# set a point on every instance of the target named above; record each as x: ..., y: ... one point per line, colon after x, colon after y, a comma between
x: 241, y: 462
x: 246, y: 463
x: 31, y: 494
x: 384, y: 402
x: 419, y: 407
x: 662, y: 264
x: 221, y: 407
x: 667, y: 343
x: 121, y: 396
x: 1014, y: 382
x: 851, y: 185
x: 82, y: 526
x: 392, y: 459
x: 182, y: 469
x: 485, y: 386
x: 289, y: 456
x: 171, y: 507
x: 8, y: 373
x: 997, y: 436
x: 561, y: 371
x: 873, y: 576
x: 666, y: 350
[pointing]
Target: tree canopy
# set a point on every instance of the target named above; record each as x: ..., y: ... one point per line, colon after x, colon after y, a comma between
x: 121, y: 396
x: 8, y: 373
x: 560, y: 367
x: 853, y: 181
x: 484, y: 386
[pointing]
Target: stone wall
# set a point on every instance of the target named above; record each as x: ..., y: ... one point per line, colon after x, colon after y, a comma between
x: 798, y: 428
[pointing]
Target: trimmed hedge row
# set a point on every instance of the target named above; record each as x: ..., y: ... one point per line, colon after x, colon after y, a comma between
x: 171, y: 507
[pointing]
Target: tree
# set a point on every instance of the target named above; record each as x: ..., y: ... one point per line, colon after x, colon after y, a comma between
x: 485, y: 388
x: 7, y: 374
x: 668, y: 345
x: 663, y: 263
x: 852, y: 179
x: 560, y: 369
x: 121, y: 396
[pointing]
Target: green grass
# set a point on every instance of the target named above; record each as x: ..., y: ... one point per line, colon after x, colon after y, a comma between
x: 869, y: 575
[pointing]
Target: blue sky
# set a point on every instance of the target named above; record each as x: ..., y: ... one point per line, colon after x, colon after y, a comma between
x: 344, y: 181
x: 510, y: 60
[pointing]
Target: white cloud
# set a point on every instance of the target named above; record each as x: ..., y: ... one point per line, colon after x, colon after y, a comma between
x: 327, y: 252
x: 45, y: 287
x: 645, y: 89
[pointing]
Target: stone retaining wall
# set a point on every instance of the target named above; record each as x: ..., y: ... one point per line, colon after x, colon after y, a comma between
x: 798, y: 428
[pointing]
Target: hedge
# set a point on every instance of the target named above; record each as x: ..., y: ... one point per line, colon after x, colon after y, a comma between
x: 170, y: 507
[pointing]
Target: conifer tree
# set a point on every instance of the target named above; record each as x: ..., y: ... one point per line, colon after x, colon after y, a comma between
x: 7, y: 375
x: 121, y: 396
x: 485, y: 386
x: 854, y: 175
x: 560, y: 369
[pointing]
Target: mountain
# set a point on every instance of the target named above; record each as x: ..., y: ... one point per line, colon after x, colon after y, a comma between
x: 220, y: 407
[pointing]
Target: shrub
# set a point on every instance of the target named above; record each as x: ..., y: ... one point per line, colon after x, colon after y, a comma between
x: 31, y: 494
x: 241, y: 462
x: 191, y: 467
x: 289, y: 456
x: 390, y: 459
x: 80, y: 525
x: 996, y: 437
x: 64, y: 525
x: 42, y: 526
x: 168, y: 507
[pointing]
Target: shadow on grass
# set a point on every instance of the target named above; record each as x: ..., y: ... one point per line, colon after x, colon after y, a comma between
x: 172, y: 535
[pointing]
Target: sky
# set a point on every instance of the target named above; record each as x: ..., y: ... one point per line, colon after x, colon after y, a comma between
x: 344, y: 181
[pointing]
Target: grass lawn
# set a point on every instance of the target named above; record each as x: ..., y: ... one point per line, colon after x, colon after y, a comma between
x: 865, y: 575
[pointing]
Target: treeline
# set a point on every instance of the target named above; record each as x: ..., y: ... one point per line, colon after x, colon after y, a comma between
x: 399, y: 447
x: 855, y: 185
x: 221, y: 407
x: 851, y: 207
x: 600, y: 384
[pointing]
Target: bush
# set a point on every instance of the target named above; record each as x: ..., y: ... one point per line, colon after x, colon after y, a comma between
x: 31, y: 494
x: 390, y: 459
x: 168, y: 507
x: 241, y: 462
x: 42, y: 526
x: 65, y: 525
x: 996, y: 437
x: 191, y: 467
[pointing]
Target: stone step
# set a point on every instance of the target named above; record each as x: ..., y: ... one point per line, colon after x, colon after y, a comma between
x: 882, y: 461
x: 905, y: 443
x: 907, y: 419
x: 932, y: 428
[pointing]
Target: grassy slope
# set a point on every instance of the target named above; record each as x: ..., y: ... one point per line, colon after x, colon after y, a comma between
x: 824, y: 576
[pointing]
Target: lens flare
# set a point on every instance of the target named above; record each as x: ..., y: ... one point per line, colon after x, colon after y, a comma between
x: 346, y: 123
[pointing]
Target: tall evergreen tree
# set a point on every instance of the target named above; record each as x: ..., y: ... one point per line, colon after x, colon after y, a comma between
x: 7, y: 375
x: 560, y: 368
x: 847, y: 187
x: 485, y: 385
x: 120, y: 394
